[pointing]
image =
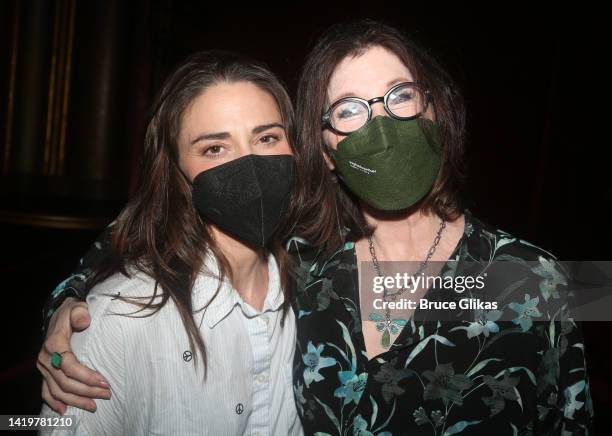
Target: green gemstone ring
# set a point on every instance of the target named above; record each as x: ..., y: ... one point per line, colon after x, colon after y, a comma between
x: 56, y: 359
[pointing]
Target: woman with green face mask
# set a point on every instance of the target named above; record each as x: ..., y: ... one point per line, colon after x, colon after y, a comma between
x: 382, y: 128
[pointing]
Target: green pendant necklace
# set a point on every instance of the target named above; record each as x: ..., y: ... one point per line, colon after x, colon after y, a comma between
x: 386, y: 325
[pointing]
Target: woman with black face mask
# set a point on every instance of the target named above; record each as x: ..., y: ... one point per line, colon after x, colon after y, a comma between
x: 190, y: 321
x: 382, y: 128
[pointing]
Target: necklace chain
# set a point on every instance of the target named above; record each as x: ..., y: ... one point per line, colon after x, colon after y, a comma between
x: 422, y: 266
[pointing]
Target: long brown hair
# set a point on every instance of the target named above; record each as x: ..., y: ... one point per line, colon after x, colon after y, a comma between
x: 328, y: 208
x: 159, y: 232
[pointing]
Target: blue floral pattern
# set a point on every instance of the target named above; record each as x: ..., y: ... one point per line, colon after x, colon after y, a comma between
x: 315, y: 362
x: 516, y: 370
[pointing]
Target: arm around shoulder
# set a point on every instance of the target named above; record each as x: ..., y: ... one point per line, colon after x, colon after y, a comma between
x: 102, y: 348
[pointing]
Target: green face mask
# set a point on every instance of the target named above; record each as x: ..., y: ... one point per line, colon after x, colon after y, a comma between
x: 390, y: 164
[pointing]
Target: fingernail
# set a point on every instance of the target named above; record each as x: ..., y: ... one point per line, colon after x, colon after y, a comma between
x: 92, y: 409
x: 104, y: 384
x: 107, y: 396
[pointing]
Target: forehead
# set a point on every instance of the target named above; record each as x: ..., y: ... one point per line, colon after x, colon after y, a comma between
x: 225, y: 105
x: 367, y: 74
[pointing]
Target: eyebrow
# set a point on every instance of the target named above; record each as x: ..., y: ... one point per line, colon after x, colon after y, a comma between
x: 265, y: 127
x: 205, y: 136
x: 389, y: 85
x: 226, y: 135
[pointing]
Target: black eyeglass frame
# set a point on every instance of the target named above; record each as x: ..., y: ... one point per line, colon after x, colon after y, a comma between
x: 326, y: 117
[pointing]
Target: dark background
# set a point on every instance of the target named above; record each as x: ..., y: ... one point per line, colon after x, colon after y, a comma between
x: 76, y: 79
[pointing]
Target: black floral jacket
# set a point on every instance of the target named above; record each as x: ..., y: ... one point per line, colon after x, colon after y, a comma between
x: 522, y: 375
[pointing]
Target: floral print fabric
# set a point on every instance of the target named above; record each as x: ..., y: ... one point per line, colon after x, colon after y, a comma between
x: 484, y: 376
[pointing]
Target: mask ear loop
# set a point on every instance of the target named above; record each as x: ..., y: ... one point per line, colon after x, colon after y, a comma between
x: 334, y: 179
x: 336, y: 210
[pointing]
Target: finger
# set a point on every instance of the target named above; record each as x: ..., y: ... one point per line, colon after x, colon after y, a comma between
x: 56, y: 405
x: 79, y: 317
x: 58, y: 341
x: 59, y: 395
x: 70, y: 365
x: 62, y: 378
x: 75, y: 378
x: 43, y: 356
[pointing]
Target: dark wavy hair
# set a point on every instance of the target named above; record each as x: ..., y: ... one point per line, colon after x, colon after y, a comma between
x: 326, y: 207
x: 159, y: 232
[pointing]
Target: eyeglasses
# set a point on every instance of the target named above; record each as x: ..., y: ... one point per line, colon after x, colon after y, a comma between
x: 404, y: 101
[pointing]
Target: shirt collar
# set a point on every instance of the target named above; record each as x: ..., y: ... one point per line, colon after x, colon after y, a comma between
x: 227, y: 297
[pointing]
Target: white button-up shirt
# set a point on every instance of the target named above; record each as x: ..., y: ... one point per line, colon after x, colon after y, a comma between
x: 157, y: 389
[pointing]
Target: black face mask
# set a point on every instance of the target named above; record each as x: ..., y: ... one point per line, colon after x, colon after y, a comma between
x: 247, y: 196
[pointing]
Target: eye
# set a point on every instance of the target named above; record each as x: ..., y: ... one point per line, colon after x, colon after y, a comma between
x: 213, y: 150
x: 345, y: 113
x: 402, y: 96
x: 269, y: 139
x: 349, y: 110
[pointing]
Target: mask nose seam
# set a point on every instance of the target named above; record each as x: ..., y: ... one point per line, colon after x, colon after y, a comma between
x: 261, y: 211
x: 263, y: 237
